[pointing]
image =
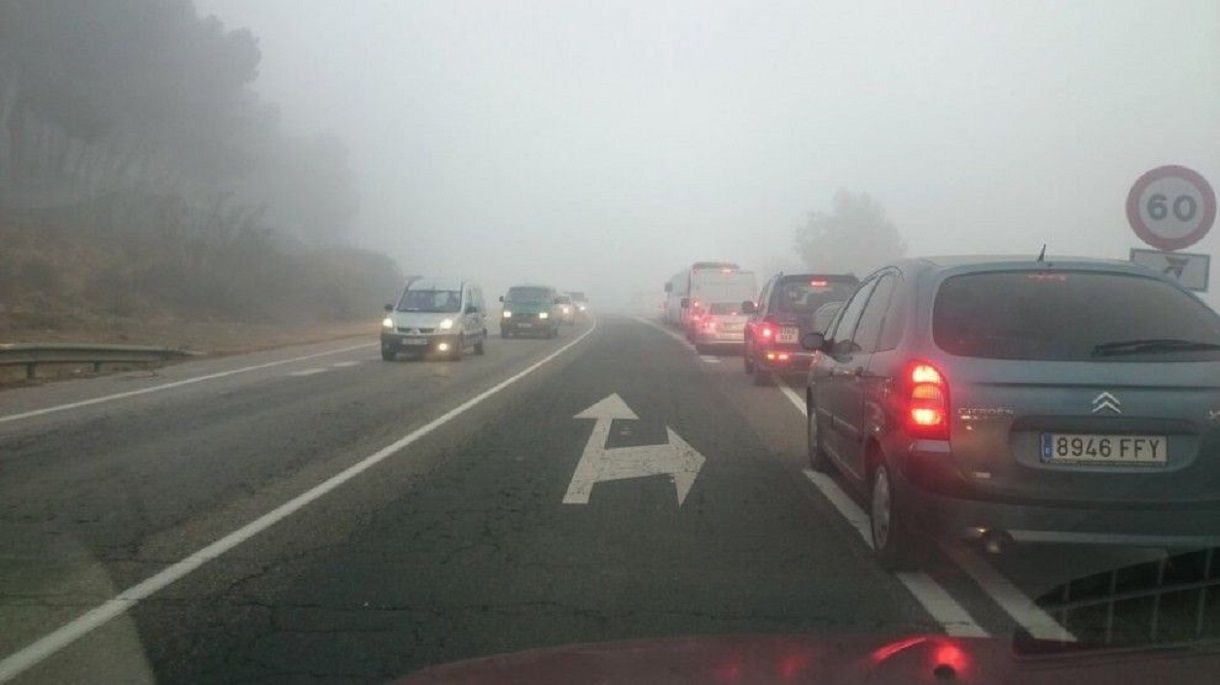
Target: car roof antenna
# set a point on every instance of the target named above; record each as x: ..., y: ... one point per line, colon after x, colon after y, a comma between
x: 1042, y: 254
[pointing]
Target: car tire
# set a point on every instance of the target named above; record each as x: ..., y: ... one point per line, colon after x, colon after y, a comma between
x: 748, y: 359
x: 505, y: 334
x: 479, y: 347
x: 818, y: 461
x: 897, y: 547
x: 388, y: 354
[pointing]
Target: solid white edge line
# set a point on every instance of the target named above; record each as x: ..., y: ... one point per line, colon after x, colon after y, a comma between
x: 941, y: 605
x: 1020, y: 607
x: 935, y: 600
x: 31, y: 655
x: 177, y: 384
x: 673, y: 334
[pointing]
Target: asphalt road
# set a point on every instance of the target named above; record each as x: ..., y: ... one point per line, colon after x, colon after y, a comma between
x: 316, y: 512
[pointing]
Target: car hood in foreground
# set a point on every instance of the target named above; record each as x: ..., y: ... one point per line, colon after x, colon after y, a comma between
x: 821, y: 659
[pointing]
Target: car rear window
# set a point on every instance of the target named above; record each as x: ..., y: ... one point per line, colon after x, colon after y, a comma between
x: 1067, y: 315
x: 805, y: 295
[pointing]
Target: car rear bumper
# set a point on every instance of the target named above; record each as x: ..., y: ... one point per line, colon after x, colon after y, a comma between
x: 951, y: 517
x: 727, y: 339
x: 783, y: 359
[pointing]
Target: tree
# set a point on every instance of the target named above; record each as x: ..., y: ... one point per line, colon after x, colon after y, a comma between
x: 855, y: 237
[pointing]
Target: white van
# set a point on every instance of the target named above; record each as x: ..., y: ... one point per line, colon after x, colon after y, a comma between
x: 444, y: 316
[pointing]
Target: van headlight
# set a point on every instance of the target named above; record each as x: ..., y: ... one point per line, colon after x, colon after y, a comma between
x: 508, y: 314
x: 543, y: 315
x: 387, y: 322
x: 445, y: 324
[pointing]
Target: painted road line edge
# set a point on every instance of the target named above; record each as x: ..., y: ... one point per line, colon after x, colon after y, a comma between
x: 36, y: 652
x: 177, y: 384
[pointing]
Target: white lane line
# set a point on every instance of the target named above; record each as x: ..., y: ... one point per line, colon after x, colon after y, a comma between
x: 939, y: 604
x: 31, y: 655
x: 347, y: 364
x: 673, y: 334
x: 797, y: 400
x: 1033, y: 619
x: 307, y: 372
x: 710, y: 359
x: 177, y: 384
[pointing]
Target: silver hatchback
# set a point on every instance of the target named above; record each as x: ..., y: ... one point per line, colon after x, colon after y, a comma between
x: 1071, y: 401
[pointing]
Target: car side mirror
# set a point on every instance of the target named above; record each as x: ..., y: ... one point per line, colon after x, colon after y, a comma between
x: 684, y: 303
x: 813, y: 341
x: 471, y: 309
x: 389, y: 307
x: 748, y: 307
x: 501, y: 298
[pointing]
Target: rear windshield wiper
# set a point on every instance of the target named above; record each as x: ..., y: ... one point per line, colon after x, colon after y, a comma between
x: 1150, y: 345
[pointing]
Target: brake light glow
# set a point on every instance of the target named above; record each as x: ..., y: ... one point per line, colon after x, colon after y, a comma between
x: 927, y: 412
x: 766, y: 331
x: 818, y: 283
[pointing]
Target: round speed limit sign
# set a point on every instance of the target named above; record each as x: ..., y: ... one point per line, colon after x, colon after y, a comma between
x: 1171, y: 207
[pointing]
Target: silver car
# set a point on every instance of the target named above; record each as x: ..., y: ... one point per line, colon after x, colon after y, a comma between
x: 1059, y: 401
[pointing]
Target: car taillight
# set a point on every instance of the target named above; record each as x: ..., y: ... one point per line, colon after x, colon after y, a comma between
x: 709, y: 323
x: 927, y: 411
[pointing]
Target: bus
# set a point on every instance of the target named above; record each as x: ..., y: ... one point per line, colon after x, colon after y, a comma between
x: 690, y: 292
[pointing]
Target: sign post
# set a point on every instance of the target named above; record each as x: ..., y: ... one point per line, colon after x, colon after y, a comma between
x: 1172, y: 208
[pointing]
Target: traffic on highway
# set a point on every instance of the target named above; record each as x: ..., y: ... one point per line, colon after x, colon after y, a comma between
x: 628, y: 343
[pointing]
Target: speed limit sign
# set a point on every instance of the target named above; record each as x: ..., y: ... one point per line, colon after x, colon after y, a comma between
x: 1171, y: 207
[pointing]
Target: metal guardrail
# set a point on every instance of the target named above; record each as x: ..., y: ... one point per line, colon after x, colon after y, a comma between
x: 30, y: 355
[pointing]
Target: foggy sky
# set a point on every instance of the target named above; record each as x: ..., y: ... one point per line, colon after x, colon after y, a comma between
x: 602, y: 146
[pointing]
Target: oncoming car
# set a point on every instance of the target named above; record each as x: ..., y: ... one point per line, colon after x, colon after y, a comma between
x: 529, y: 310
x: 1013, y: 400
x: 445, y: 316
x: 567, y: 310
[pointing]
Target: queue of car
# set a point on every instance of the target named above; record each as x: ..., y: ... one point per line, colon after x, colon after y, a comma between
x: 449, y: 317
x: 1002, y: 400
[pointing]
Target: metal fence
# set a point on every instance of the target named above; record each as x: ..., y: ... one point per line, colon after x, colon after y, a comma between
x: 31, y: 355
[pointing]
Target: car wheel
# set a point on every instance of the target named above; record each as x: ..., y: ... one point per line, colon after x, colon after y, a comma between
x: 896, y: 547
x: 388, y: 353
x: 748, y: 359
x: 818, y: 461
x: 505, y: 334
x: 479, y: 346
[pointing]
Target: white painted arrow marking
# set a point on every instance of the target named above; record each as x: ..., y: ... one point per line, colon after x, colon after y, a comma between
x: 675, y: 458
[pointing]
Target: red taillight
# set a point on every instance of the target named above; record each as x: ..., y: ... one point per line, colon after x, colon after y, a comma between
x: 927, y: 412
x: 818, y: 283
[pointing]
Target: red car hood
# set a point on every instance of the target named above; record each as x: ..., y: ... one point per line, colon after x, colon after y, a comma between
x: 821, y: 659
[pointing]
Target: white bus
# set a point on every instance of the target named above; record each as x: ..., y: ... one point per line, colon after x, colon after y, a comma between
x: 690, y: 292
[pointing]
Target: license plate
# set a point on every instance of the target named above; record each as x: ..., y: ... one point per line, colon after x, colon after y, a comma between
x: 731, y: 328
x: 415, y: 342
x: 1109, y: 449
x: 786, y: 335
